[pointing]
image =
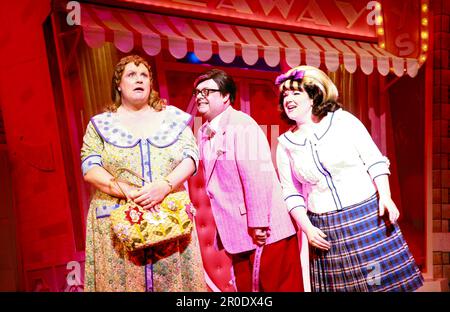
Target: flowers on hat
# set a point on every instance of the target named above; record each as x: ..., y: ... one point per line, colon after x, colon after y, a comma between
x: 296, y: 74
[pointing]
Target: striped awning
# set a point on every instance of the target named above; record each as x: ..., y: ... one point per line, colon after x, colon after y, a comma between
x: 154, y: 32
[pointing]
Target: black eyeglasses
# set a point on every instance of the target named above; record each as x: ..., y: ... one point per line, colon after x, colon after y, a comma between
x: 205, y: 92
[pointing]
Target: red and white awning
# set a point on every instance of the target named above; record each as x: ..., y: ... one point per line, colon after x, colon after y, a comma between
x: 127, y: 29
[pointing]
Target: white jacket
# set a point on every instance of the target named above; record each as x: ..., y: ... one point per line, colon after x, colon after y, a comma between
x: 330, y: 166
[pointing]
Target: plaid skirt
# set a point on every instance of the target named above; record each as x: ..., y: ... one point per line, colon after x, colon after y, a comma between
x: 367, y: 253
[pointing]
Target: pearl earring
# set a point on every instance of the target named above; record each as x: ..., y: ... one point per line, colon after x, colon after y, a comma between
x: 119, y: 89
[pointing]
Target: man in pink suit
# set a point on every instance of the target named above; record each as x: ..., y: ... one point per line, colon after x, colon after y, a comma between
x: 244, y: 191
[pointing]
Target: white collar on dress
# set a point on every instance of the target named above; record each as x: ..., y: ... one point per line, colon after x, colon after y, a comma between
x: 110, y: 129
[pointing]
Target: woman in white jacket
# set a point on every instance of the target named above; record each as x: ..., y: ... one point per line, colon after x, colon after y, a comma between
x: 335, y: 184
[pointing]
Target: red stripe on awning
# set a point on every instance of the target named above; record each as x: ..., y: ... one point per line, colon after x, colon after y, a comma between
x: 179, y: 35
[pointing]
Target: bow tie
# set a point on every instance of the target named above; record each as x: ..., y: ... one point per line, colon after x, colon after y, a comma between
x: 208, y: 133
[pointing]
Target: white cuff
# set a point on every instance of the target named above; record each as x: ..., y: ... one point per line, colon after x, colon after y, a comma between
x: 379, y: 168
x: 294, y: 200
x: 194, y: 156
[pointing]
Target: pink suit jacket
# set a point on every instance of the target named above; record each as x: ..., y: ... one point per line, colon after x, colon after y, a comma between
x: 242, y: 184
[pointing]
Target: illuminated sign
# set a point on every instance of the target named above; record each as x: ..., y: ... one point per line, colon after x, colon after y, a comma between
x: 325, y: 16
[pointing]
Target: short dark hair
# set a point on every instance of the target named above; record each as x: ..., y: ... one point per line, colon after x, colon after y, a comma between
x: 224, y: 81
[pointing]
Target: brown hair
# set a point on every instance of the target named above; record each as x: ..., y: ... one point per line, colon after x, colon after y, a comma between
x: 319, y: 87
x: 154, y: 100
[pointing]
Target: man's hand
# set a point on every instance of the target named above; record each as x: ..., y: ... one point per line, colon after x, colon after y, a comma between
x: 259, y: 235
